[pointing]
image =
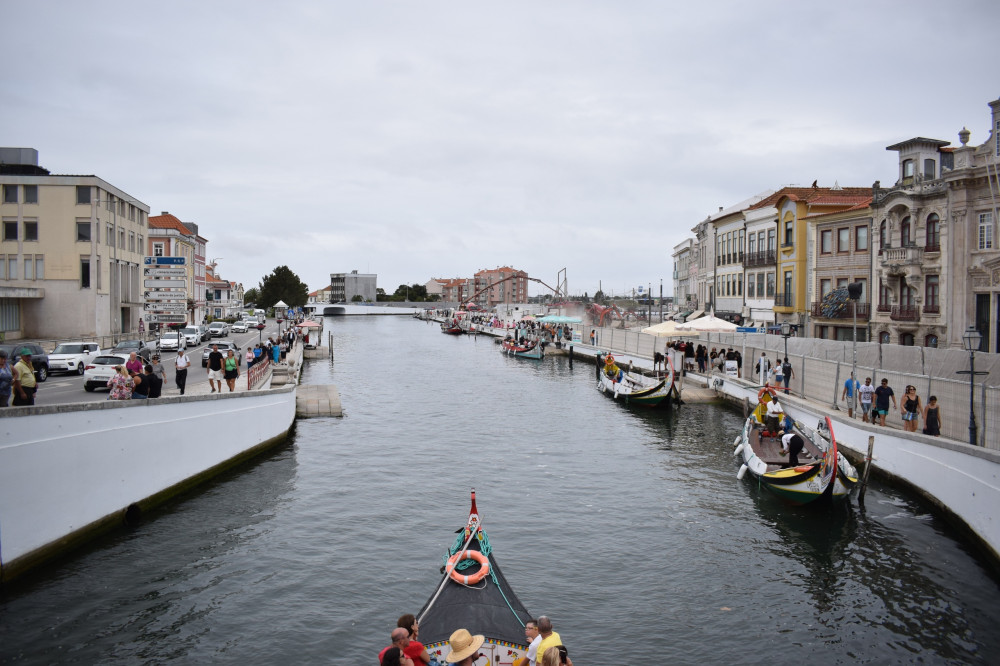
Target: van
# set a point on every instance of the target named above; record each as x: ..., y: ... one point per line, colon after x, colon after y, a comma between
x: 251, y: 322
x: 260, y: 314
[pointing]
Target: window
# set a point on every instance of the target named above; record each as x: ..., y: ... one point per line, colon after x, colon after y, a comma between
x: 905, y: 239
x: 844, y: 239
x: 760, y: 285
x: 111, y: 234
x: 861, y: 238
x: 842, y: 283
x: 881, y: 236
x: 10, y: 194
x: 931, y: 293
x: 883, y: 337
x: 770, y: 284
x: 826, y: 241
x: 12, y: 266
x: 98, y: 271
x: 121, y: 239
x: 83, y: 232
x: 131, y: 241
x: 986, y: 231
x: 85, y: 272
x: 30, y: 230
x: 157, y: 249
x: 142, y: 248
x: 751, y: 281
x: 907, y: 296
x: 930, y: 169
x: 789, y: 231
x: 10, y: 230
x: 31, y: 194
x: 931, y: 341
x: 29, y: 267
x: 864, y: 290
x: 39, y: 267
x: 907, y: 169
x: 825, y: 287
x: 906, y: 339
x: 883, y: 295
x: 739, y: 284
x: 752, y: 244
x: 933, y: 232
x: 787, y: 286
x: 771, y: 239
x: 83, y: 194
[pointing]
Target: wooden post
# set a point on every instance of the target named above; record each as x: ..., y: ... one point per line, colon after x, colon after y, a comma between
x: 868, y: 469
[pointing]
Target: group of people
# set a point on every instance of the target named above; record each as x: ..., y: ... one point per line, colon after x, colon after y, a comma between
x: 545, y: 646
x: 136, y: 380
x: 778, y: 374
x: 18, y: 380
x: 874, y: 401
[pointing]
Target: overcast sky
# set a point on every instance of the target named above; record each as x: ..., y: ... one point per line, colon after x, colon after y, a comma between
x: 433, y: 139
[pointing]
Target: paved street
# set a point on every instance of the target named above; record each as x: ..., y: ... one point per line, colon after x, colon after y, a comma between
x: 65, y: 389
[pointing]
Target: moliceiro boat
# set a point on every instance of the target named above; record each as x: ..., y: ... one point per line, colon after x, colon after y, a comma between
x: 526, y: 348
x: 820, y: 472
x: 632, y: 387
x: 474, y: 595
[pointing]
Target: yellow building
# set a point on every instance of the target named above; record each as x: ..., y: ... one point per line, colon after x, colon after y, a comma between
x: 71, y: 250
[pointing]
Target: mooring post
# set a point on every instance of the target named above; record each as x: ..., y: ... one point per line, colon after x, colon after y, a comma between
x: 868, y: 468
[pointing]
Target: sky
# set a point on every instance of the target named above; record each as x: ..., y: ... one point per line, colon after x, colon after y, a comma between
x: 420, y: 140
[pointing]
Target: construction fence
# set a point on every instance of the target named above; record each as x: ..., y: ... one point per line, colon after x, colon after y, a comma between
x: 820, y: 369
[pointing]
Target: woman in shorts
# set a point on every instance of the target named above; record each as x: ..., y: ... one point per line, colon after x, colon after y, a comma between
x: 231, y: 367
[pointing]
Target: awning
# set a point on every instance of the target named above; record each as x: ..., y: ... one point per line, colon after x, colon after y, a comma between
x: 694, y: 315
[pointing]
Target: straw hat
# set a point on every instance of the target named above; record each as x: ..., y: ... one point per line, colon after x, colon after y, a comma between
x: 463, y: 644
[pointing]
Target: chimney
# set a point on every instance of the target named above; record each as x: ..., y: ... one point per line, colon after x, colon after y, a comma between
x: 164, y: 212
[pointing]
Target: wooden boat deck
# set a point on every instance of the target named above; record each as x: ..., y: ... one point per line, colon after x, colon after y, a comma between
x: 768, y: 449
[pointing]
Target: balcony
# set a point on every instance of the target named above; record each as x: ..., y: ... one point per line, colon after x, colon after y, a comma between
x: 932, y: 309
x: 932, y: 247
x: 905, y: 313
x: 784, y: 300
x: 910, y: 255
x: 763, y: 258
x: 845, y: 312
x: 883, y: 307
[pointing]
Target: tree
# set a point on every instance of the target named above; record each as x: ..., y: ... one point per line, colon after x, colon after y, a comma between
x: 282, y: 285
x: 251, y: 295
x: 413, y: 292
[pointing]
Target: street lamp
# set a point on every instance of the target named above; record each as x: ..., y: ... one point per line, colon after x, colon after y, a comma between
x: 972, y: 339
x: 854, y: 293
x: 786, y: 331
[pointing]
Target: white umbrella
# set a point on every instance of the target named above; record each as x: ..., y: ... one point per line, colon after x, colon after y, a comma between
x: 667, y: 329
x: 708, y: 323
x: 281, y: 304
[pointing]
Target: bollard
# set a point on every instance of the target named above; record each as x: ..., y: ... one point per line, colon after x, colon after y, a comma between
x: 571, y: 356
x: 868, y: 469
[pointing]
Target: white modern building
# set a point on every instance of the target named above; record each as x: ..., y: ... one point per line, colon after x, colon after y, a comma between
x: 353, y: 286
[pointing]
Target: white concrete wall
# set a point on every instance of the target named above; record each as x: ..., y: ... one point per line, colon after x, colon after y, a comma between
x: 964, y: 479
x: 63, y: 468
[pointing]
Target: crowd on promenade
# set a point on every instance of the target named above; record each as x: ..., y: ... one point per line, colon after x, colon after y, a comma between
x: 545, y: 646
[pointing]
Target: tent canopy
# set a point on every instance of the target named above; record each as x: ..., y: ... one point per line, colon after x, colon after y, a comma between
x: 665, y: 330
x: 560, y: 319
x: 709, y: 323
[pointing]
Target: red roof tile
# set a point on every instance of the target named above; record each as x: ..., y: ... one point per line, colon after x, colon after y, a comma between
x: 168, y: 221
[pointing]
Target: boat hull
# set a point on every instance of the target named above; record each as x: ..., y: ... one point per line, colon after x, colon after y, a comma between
x: 536, y: 351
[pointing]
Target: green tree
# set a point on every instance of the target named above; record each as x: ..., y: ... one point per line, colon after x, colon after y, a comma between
x: 599, y: 296
x: 282, y: 285
x: 251, y: 295
x: 413, y: 292
x: 380, y: 295
x: 357, y: 298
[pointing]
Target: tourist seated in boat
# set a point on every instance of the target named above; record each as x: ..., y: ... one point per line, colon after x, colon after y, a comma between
x: 611, y: 369
x: 792, y: 445
x: 775, y: 414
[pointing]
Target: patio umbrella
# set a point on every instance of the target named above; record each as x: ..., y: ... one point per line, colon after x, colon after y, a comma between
x: 667, y: 329
x: 560, y: 319
x: 708, y: 323
x: 281, y: 304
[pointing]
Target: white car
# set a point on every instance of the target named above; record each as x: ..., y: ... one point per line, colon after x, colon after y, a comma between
x: 100, y: 370
x: 73, y: 357
x: 173, y: 341
x: 239, y: 327
x: 251, y: 322
x: 218, y: 329
x: 192, y: 334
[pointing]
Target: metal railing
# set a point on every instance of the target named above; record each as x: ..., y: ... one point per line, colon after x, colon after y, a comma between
x: 846, y: 312
x: 784, y: 299
x: 258, y: 372
x: 905, y: 313
x: 761, y: 258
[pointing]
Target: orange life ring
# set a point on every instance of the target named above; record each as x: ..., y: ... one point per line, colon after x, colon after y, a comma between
x: 484, y: 567
x: 760, y: 393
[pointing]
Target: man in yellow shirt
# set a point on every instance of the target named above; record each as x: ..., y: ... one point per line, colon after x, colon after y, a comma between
x: 549, y: 637
x: 24, y: 380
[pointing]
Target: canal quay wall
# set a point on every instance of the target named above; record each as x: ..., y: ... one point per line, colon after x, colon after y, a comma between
x: 961, y: 480
x: 69, y: 473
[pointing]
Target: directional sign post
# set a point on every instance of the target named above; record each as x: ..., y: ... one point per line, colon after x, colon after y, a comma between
x: 165, y: 283
x: 165, y: 318
x: 749, y: 329
x: 179, y: 296
x: 165, y: 307
x: 164, y: 261
x: 164, y: 272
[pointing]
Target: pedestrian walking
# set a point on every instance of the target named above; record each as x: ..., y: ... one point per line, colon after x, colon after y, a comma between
x: 932, y: 417
x: 6, y: 379
x: 850, y: 386
x: 911, y: 409
x: 232, y: 370
x: 158, y: 369
x: 763, y: 368
x: 181, y: 364
x: 215, y: 360
x: 153, y: 380
x: 882, y: 396
x: 786, y: 373
x: 250, y: 358
x: 24, y: 383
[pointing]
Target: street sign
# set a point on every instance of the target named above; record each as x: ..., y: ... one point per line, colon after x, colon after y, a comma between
x: 164, y: 261
x: 165, y: 283
x: 749, y: 329
x: 164, y: 307
x: 164, y: 272
x: 165, y: 318
x: 179, y: 296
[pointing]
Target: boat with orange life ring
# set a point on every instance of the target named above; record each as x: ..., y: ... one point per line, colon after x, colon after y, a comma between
x: 482, y: 601
x: 821, y: 473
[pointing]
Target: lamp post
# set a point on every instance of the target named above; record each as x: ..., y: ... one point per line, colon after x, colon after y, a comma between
x: 971, y: 340
x: 854, y: 293
x: 786, y: 331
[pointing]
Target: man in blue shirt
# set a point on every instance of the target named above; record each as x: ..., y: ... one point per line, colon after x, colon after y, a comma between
x: 850, y: 386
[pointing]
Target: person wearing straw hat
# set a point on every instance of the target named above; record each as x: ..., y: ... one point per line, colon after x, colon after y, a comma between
x: 464, y: 647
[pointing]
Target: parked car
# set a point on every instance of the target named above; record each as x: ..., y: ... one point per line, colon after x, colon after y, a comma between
x: 126, y: 347
x: 239, y: 327
x: 39, y: 359
x: 192, y: 335
x: 203, y: 331
x: 173, y: 340
x: 251, y: 322
x: 218, y: 329
x: 224, y: 346
x: 72, y: 357
x: 100, y: 370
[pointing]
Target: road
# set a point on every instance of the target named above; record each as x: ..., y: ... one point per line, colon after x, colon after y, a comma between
x: 67, y: 389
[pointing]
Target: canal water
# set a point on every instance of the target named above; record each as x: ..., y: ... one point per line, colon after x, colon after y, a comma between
x: 629, y: 529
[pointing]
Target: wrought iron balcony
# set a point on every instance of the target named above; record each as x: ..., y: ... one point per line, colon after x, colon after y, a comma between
x: 762, y: 258
x: 784, y: 300
x: 905, y: 313
x: 935, y: 247
x: 883, y: 307
x: 845, y: 312
x: 932, y: 309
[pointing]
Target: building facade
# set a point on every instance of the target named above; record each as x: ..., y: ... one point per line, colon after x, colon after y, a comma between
x: 935, y: 234
x: 501, y: 285
x: 71, y: 250
x: 169, y: 237
x: 683, y: 287
x: 842, y: 256
x: 759, y: 264
x: 353, y: 286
